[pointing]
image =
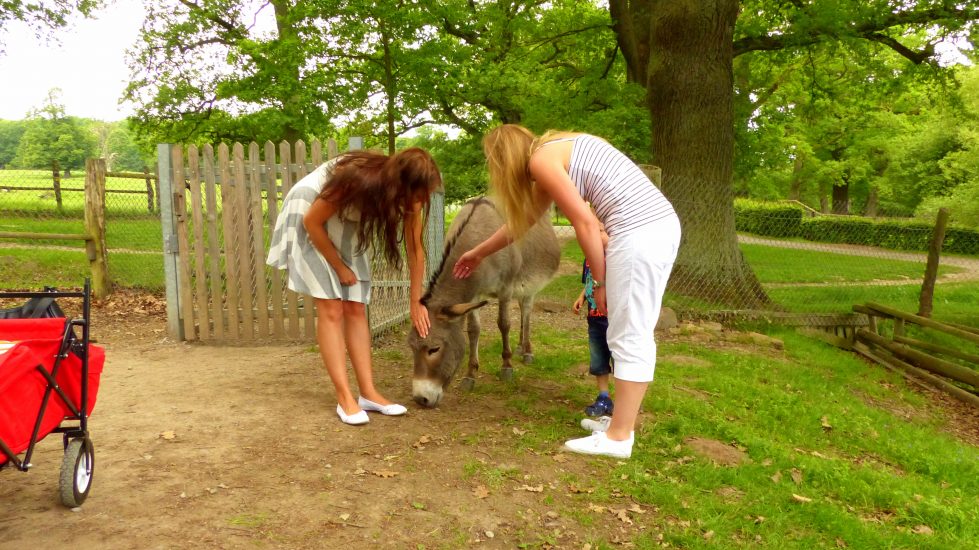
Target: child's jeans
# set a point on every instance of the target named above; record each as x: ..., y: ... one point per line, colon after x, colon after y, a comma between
x: 601, y: 358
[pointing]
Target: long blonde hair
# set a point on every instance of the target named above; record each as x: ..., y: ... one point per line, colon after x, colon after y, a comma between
x: 508, y: 149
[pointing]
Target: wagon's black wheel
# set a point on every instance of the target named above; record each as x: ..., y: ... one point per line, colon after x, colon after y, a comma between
x: 77, y: 468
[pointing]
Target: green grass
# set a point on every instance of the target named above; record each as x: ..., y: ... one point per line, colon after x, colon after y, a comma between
x: 786, y: 265
x: 887, y: 465
x: 37, y: 268
x: 37, y: 202
x: 956, y: 302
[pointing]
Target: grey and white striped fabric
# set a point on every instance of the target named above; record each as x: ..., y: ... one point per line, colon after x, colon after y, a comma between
x: 306, y: 269
x: 623, y: 197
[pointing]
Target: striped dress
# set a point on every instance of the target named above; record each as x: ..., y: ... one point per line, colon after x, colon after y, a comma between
x: 623, y: 197
x: 306, y: 269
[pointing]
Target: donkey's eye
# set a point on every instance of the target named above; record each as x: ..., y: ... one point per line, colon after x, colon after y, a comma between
x: 433, y: 351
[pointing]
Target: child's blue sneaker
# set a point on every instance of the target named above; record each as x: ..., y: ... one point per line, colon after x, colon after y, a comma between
x: 601, y: 407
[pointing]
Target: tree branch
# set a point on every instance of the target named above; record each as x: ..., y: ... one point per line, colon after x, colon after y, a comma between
x: 870, y: 30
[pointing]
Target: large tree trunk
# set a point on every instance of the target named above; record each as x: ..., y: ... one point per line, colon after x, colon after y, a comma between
x: 841, y: 198
x: 682, y: 52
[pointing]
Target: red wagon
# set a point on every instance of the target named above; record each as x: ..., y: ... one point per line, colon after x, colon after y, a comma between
x: 49, y: 378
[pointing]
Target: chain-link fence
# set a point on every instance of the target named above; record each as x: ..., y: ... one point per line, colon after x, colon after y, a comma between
x: 787, y: 263
x: 42, y: 224
x: 778, y: 260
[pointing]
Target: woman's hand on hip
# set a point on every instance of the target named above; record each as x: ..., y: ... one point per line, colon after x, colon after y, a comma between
x: 347, y: 276
x: 466, y: 265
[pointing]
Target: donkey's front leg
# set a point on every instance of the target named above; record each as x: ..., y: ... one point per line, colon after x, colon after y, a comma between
x: 468, y: 382
x: 526, y: 308
x: 503, y: 321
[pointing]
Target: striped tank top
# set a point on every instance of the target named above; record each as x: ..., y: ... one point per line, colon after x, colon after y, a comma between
x: 621, y: 194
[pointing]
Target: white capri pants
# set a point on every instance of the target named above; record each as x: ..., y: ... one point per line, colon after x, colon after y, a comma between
x: 637, y: 267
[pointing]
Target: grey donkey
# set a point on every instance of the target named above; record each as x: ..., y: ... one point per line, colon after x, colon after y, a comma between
x: 518, y: 272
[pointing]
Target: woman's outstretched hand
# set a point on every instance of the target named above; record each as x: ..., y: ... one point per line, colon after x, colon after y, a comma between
x: 466, y: 265
x: 419, y: 318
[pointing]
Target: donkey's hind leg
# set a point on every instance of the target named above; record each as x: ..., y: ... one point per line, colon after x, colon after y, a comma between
x: 468, y: 382
x: 526, y: 308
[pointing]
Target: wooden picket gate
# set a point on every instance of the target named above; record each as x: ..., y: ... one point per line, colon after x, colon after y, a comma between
x: 217, y: 223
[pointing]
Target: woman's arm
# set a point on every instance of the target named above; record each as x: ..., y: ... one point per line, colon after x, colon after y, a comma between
x: 314, y: 221
x: 416, y: 269
x: 469, y: 261
x: 499, y: 240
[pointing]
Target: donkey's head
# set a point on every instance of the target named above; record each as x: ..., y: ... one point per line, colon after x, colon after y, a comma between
x: 437, y: 357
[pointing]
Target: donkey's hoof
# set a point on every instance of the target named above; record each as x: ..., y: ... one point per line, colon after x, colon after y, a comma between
x: 506, y: 374
x: 467, y: 383
x: 528, y: 358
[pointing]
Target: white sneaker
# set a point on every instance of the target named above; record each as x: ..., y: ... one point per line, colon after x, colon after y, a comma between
x: 598, y: 443
x: 599, y: 424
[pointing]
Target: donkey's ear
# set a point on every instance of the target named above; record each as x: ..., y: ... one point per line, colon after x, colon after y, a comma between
x: 458, y: 310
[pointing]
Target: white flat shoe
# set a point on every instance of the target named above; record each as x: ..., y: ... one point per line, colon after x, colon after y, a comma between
x: 356, y: 419
x: 388, y: 410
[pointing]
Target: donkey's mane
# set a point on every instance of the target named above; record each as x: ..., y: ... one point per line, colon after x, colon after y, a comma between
x: 450, y: 243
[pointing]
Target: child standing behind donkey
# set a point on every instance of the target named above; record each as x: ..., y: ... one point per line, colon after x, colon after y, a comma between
x: 600, y: 361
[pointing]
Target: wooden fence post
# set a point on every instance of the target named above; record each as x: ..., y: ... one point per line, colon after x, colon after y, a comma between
x: 95, y: 226
x: 56, y: 182
x: 931, y: 270
x: 171, y: 250
x: 149, y: 189
x: 654, y: 173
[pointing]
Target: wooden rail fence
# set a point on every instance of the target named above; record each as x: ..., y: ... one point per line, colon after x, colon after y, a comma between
x: 948, y: 368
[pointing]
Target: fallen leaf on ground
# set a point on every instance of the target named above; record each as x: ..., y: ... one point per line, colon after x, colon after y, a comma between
x: 518, y: 431
x: 481, y: 491
x: 800, y: 498
x: 796, y: 476
x: 824, y: 422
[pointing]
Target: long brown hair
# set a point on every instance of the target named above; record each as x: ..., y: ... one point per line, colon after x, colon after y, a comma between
x: 383, y: 189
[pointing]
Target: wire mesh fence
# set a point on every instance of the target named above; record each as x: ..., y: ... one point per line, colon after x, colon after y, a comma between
x: 775, y: 259
x: 41, y: 209
x: 786, y: 262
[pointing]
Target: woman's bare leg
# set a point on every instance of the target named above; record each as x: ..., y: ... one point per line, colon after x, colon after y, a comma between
x: 628, y: 399
x: 357, y: 333
x: 330, y: 337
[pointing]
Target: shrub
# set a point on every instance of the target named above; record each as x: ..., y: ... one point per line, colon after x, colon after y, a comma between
x: 768, y: 218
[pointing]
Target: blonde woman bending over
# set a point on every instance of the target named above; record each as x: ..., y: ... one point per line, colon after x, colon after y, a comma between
x: 528, y: 174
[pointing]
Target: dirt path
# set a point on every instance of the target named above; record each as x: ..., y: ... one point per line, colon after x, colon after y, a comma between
x: 239, y: 447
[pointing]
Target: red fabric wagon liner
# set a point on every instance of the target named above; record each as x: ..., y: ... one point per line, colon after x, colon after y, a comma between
x: 25, y: 344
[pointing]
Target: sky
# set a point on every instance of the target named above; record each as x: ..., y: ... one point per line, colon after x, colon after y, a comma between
x: 88, y: 65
